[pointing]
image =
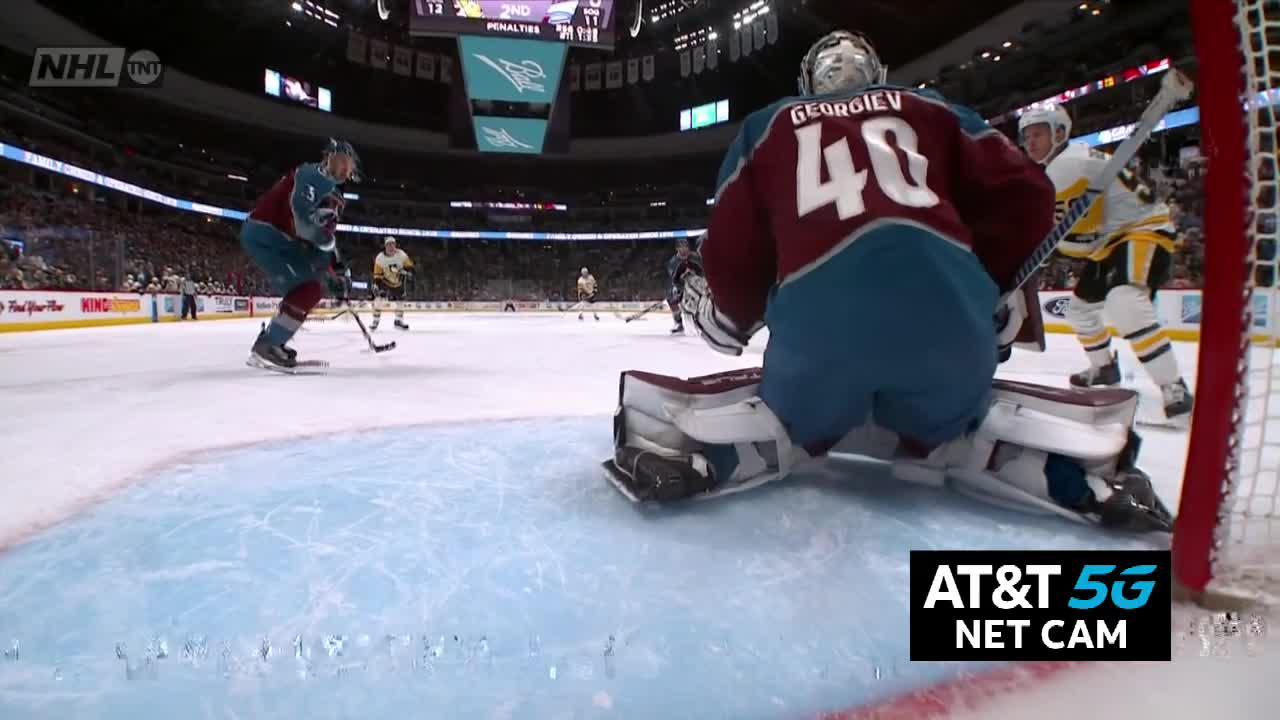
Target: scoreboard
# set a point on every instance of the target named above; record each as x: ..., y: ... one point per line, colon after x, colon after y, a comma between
x: 588, y: 23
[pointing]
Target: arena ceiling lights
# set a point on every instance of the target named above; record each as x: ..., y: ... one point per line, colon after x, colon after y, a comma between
x: 317, y: 12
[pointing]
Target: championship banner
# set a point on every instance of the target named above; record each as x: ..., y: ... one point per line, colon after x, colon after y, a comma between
x: 575, y: 78
x: 713, y: 54
x: 402, y: 61
x: 446, y: 69
x: 526, y: 71
x: 357, y: 48
x: 757, y: 28
x: 509, y: 135
x: 633, y: 71
x: 426, y: 66
x: 592, y: 76
x: 648, y: 70
x: 699, y: 59
x: 744, y: 32
x: 379, y: 53
x: 771, y: 28
x: 613, y: 75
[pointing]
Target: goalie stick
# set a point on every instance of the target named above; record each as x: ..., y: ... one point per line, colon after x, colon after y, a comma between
x: 1174, y: 88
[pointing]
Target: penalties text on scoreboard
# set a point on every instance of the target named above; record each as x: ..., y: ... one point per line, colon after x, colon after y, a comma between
x: 1040, y: 605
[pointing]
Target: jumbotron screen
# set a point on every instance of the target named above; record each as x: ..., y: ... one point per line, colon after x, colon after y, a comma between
x: 588, y: 23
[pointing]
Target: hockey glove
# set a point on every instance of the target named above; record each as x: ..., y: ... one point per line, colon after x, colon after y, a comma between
x: 1009, y: 316
x: 327, y: 218
x: 717, y: 329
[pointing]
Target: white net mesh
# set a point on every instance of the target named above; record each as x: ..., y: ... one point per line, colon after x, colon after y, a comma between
x: 1246, y: 553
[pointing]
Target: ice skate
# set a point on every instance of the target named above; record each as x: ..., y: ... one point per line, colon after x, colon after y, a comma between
x: 1108, y: 374
x: 271, y: 357
x: 373, y: 325
x: 293, y: 354
x: 401, y: 324
x: 1178, y: 400
x: 1133, y: 505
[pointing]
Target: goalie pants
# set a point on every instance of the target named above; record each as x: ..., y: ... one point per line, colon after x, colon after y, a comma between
x: 895, y: 327
x: 295, y: 269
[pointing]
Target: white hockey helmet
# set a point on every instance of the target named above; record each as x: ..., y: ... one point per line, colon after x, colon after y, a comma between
x: 1056, y: 118
x: 585, y: 272
x: 842, y: 60
x: 388, y: 240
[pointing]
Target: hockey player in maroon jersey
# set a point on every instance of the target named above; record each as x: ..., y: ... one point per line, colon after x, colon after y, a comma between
x: 876, y: 231
x: 290, y: 234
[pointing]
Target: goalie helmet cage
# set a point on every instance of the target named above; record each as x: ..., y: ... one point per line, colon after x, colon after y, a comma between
x: 1226, y: 542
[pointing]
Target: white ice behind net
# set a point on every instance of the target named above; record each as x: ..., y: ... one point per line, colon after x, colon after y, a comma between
x: 1247, y: 548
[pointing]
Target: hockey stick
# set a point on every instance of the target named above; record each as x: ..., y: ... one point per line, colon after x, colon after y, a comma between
x: 646, y: 311
x: 572, y: 307
x: 365, y: 331
x: 335, y: 316
x: 1174, y: 88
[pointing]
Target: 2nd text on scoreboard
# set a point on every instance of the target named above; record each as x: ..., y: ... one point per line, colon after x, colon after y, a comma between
x: 588, y: 23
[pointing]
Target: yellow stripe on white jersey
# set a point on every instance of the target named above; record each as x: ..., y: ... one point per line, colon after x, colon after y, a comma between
x: 390, y: 268
x: 1127, y: 205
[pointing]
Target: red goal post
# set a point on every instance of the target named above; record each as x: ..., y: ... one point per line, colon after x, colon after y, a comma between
x: 1226, y: 541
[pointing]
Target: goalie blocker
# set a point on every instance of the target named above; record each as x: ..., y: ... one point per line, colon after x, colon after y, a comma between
x: 1046, y: 450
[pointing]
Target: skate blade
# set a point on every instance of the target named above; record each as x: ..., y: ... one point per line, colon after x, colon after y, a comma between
x: 304, y: 367
x: 1151, y: 414
x: 1157, y: 420
x: 615, y: 478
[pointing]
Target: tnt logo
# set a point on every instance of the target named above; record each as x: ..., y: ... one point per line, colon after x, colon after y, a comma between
x: 100, y: 67
x: 1109, y: 605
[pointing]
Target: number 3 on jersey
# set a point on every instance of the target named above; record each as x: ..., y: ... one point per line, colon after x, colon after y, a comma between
x: 845, y: 183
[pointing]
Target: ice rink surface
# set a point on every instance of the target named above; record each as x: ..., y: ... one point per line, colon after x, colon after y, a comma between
x: 426, y: 533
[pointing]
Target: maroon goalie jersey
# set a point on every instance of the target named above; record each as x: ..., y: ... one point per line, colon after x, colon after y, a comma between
x: 807, y: 177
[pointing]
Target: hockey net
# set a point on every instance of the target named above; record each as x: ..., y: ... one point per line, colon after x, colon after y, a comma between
x: 1226, y: 543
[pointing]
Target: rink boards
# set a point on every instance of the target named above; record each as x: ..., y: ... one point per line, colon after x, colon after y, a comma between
x: 28, y: 310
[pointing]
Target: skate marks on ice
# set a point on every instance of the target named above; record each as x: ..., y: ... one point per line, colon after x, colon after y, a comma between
x: 484, y: 570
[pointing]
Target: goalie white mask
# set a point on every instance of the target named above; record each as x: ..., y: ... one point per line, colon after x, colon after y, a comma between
x: 840, y: 61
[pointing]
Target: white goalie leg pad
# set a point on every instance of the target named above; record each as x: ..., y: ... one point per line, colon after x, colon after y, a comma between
x: 676, y: 416
x: 1004, y: 460
x: 648, y: 404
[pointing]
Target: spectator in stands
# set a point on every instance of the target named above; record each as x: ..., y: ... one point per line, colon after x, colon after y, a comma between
x: 188, y: 297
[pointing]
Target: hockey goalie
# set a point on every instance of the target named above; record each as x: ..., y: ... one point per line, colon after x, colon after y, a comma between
x: 876, y: 231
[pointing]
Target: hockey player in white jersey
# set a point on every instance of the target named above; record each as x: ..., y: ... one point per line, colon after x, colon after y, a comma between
x: 1127, y: 242
x: 390, y: 269
x: 587, y: 291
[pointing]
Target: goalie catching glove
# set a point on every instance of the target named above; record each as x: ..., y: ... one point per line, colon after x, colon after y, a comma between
x: 1063, y: 452
x: 716, y: 328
